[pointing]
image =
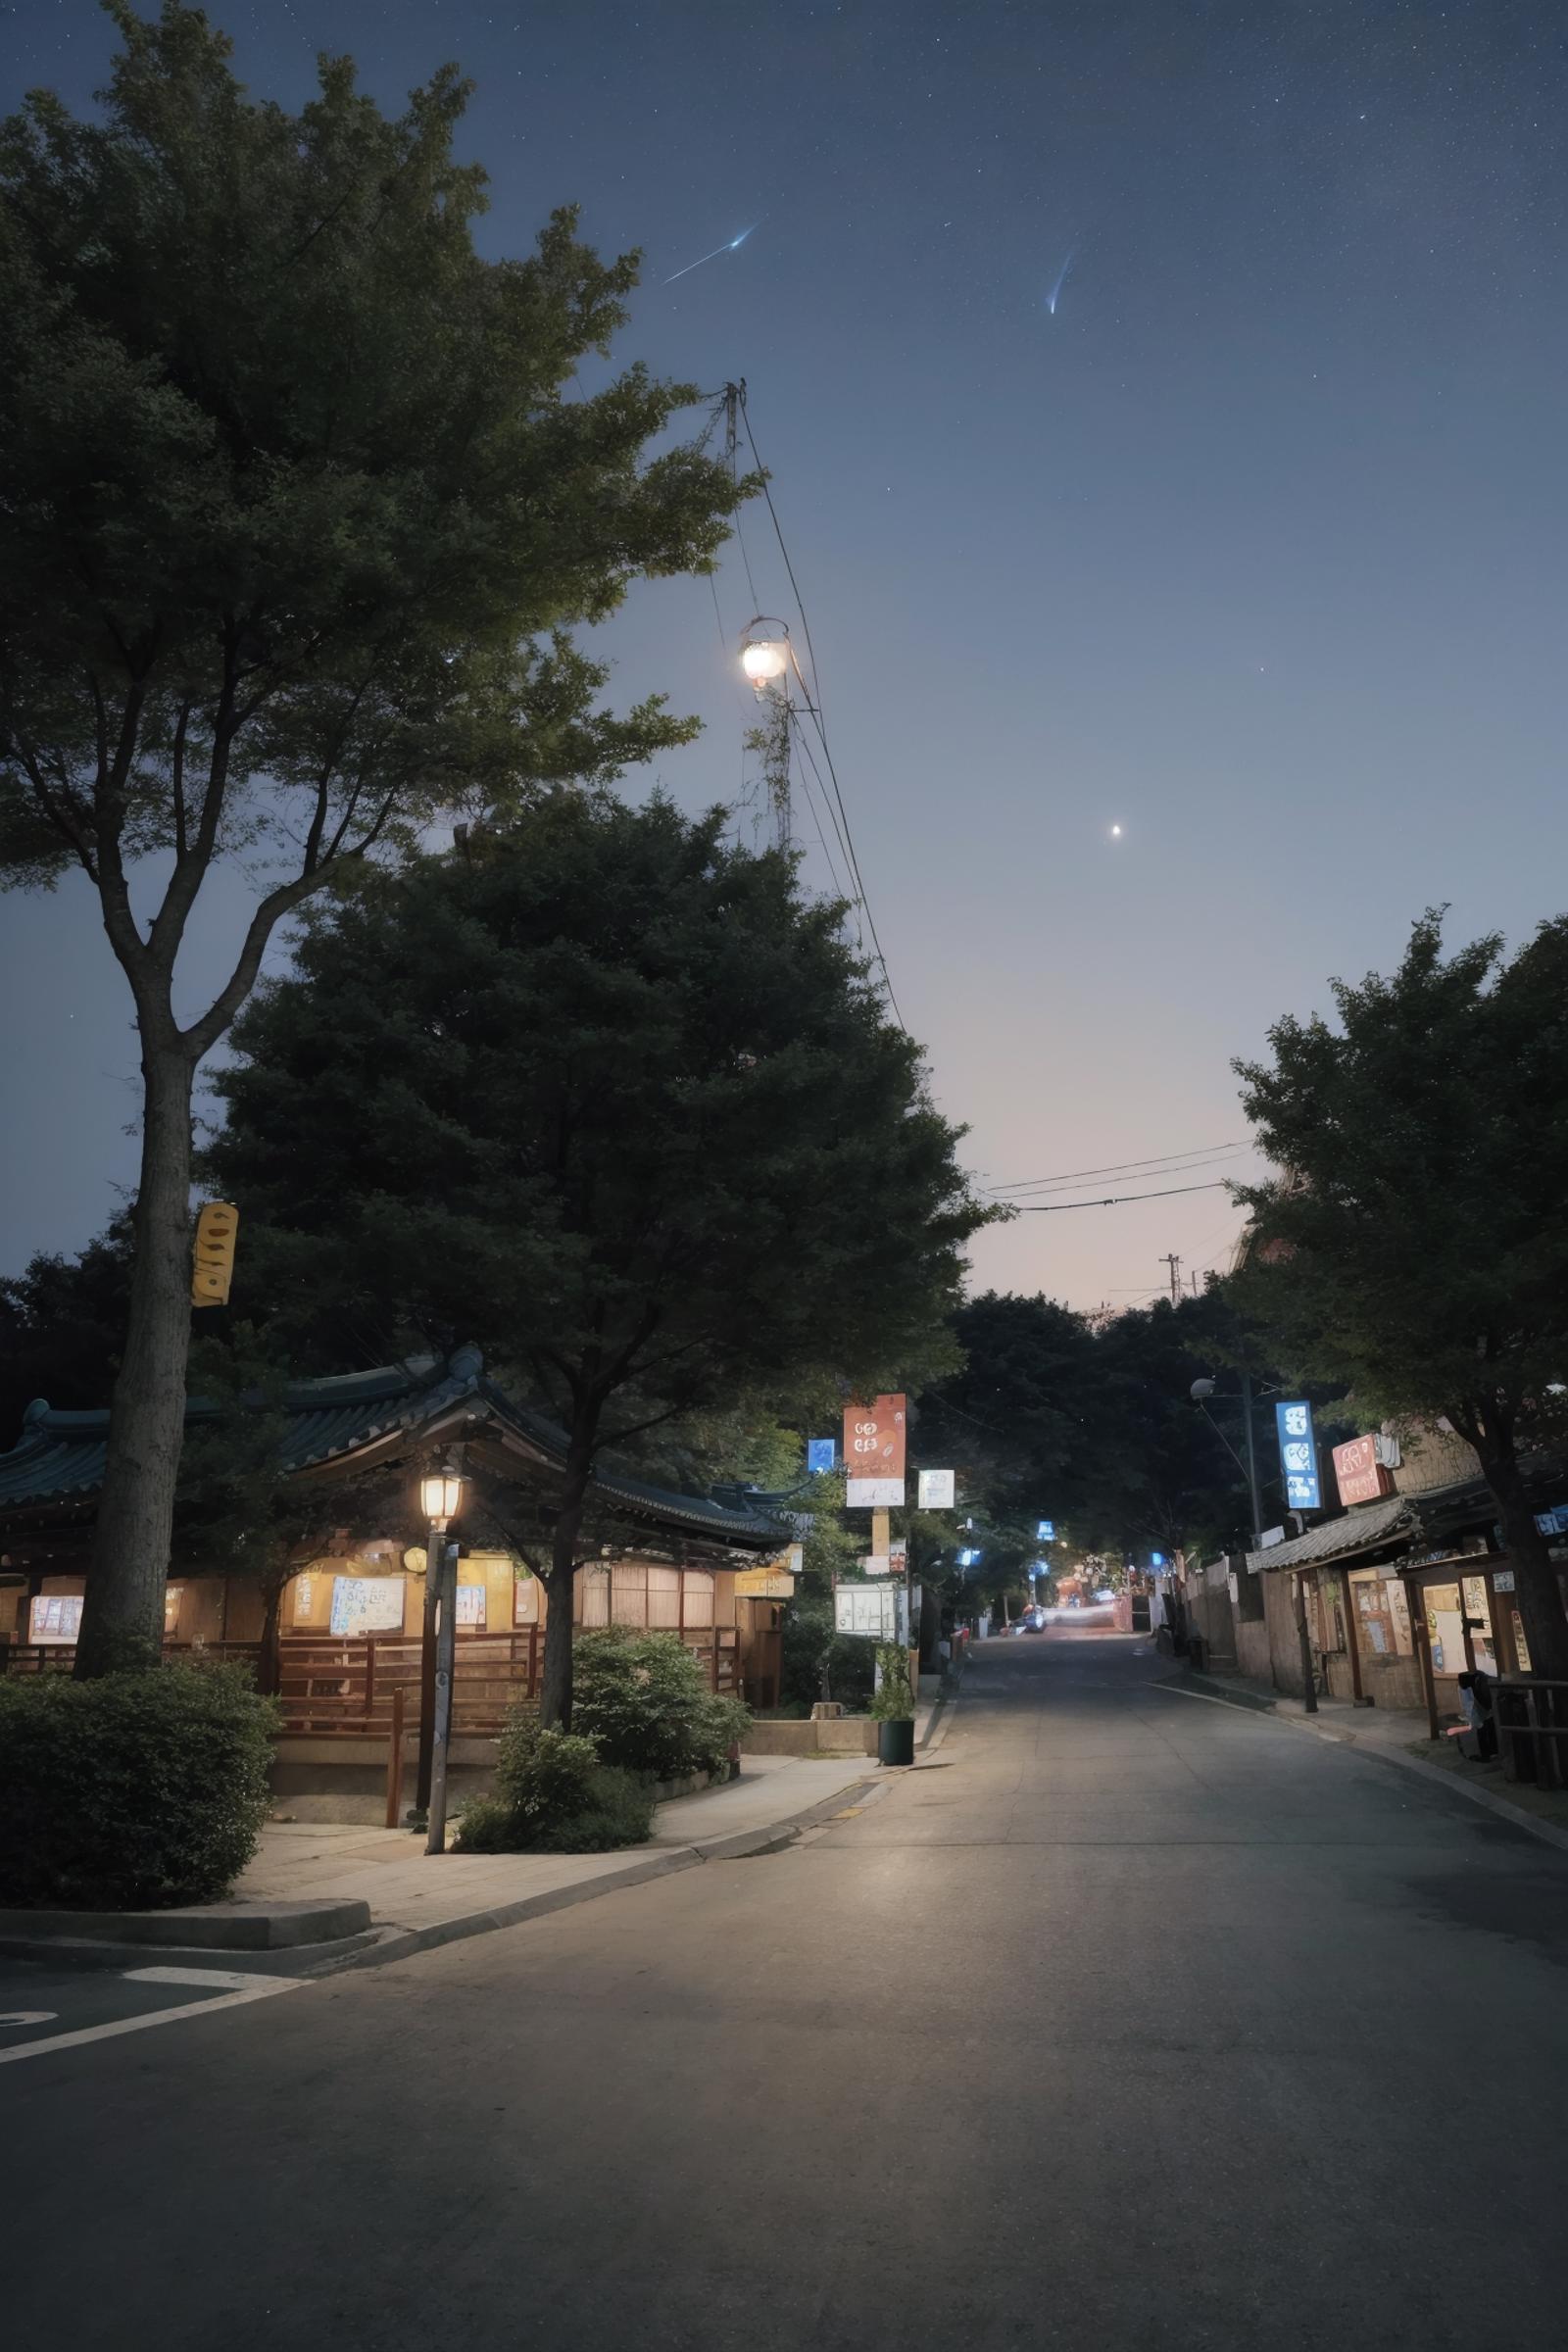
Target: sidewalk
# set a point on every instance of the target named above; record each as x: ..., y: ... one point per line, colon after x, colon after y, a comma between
x: 1398, y: 1736
x: 394, y: 1898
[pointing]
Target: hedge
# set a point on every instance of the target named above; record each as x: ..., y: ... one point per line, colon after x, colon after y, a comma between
x: 134, y: 1791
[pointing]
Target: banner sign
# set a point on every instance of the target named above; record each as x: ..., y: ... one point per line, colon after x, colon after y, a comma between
x: 936, y: 1490
x: 771, y: 1582
x: 1046, y: 1531
x: 1358, y: 1474
x: 874, y: 1453
x: 821, y: 1454
x: 1298, y: 1456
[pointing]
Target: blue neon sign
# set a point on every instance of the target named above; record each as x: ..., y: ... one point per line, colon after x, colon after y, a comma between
x: 1298, y: 1456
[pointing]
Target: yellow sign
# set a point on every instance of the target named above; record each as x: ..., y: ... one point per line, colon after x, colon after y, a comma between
x: 213, y: 1258
x: 771, y: 1582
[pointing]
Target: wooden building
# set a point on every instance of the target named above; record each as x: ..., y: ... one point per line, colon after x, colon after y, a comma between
x: 336, y: 1626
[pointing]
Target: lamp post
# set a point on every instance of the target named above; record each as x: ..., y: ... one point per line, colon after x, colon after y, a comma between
x: 767, y: 659
x: 1200, y: 1392
x: 440, y: 1499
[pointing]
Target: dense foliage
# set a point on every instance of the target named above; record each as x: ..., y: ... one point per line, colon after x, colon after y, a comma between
x: 300, y: 496
x: 553, y: 1795
x: 132, y: 1791
x: 1413, y: 1246
x: 618, y: 1119
x: 642, y: 1700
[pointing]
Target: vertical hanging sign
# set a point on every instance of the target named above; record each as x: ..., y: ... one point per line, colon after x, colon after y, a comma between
x: 1298, y: 1456
x: 874, y: 1453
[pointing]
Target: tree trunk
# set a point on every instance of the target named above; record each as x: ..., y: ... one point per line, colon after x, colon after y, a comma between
x: 1537, y: 1592
x: 554, y: 1684
x: 123, y: 1613
x: 269, y: 1665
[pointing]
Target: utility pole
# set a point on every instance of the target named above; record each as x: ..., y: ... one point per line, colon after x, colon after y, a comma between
x: 1174, y: 1262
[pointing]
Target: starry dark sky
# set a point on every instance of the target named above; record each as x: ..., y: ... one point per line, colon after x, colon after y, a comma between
x: 1256, y: 547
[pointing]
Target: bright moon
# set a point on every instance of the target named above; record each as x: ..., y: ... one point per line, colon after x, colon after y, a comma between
x: 1115, y: 832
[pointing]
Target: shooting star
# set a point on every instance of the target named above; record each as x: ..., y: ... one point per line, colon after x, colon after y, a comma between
x: 733, y: 246
x: 1055, y: 296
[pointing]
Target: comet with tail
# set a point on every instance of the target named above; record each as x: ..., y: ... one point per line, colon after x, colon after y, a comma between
x: 734, y: 245
x: 1055, y: 296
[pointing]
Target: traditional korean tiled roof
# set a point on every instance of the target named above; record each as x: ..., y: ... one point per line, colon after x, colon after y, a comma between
x: 1336, y: 1538
x: 60, y: 1458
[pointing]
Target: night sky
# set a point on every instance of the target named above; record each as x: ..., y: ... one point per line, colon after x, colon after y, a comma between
x: 1255, y: 546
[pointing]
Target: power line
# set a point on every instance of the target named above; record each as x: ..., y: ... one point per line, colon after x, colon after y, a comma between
x: 1175, y: 1167
x: 815, y: 707
x: 1158, y: 1162
x: 1050, y: 1208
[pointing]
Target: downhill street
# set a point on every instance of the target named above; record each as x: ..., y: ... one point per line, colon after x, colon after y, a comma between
x: 1125, y: 2020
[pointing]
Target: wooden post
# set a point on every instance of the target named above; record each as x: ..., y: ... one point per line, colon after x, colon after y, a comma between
x: 370, y: 1676
x: 1417, y: 1607
x: 1351, y: 1648
x: 394, y: 1761
x: 1304, y: 1640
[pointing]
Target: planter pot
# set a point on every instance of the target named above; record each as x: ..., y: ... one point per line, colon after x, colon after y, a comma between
x: 895, y: 1742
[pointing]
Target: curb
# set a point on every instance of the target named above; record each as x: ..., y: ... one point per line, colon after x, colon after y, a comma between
x: 736, y: 1846
x: 1547, y: 1830
x: 386, y: 1940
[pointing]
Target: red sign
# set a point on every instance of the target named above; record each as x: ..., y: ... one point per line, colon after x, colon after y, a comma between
x: 1358, y: 1474
x: 873, y: 1438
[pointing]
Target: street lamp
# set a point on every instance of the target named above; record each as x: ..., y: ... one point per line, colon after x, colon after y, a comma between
x: 440, y: 1499
x: 1200, y: 1392
x: 765, y: 652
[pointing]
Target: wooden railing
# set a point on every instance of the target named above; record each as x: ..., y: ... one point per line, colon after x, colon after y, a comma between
x: 1532, y: 1719
x: 337, y: 1687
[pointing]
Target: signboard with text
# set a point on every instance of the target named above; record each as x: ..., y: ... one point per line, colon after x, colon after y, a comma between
x: 1358, y: 1474
x: 1298, y: 1456
x: 936, y: 1490
x: 874, y: 1610
x: 821, y: 1454
x: 874, y: 1453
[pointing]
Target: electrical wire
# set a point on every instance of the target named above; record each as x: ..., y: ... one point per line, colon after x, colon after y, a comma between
x: 1050, y: 1209
x: 1161, y: 1164
x: 815, y: 707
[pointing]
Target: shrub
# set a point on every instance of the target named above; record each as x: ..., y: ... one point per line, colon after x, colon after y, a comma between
x: 554, y: 1796
x: 134, y: 1791
x: 541, y: 1775
x: 642, y: 1700
x: 809, y: 1644
x: 892, y: 1702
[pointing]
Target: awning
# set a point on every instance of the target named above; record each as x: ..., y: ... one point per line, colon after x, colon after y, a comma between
x: 1374, y: 1524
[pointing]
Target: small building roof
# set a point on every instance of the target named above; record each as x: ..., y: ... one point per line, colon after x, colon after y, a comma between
x: 353, y: 1420
x: 1369, y: 1524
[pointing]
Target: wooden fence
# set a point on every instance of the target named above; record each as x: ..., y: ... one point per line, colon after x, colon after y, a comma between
x: 340, y: 1688
x: 1532, y: 1719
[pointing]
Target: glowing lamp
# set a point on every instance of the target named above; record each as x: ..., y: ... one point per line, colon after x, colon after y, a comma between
x: 441, y: 1495
x: 763, y: 659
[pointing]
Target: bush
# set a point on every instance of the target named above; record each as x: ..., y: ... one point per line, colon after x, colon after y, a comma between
x: 642, y: 1700
x: 810, y: 1642
x: 892, y: 1702
x: 554, y: 1796
x: 134, y: 1791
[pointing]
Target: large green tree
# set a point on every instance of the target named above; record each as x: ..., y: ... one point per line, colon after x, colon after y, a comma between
x: 614, y: 1098
x: 1413, y: 1246
x: 294, y: 511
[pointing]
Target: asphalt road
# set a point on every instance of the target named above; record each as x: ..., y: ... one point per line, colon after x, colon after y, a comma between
x: 1125, y: 2021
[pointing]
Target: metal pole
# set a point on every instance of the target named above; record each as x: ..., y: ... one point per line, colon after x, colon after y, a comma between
x: 434, y: 1538
x: 436, y: 1839
x: 1252, y: 1460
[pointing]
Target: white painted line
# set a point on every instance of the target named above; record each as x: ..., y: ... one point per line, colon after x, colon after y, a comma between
x: 156, y: 2017
x: 221, y: 1979
x: 26, y: 2017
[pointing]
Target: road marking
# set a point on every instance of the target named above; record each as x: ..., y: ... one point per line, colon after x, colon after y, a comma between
x: 259, y: 1990
x: 222, y: 1979
x: 26, y: 2017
